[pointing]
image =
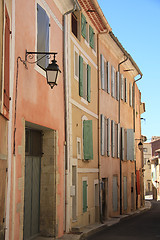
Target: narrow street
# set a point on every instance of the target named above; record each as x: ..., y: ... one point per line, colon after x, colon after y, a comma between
x: 139, y: 227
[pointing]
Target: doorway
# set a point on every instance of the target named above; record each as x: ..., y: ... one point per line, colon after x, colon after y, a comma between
x: 104, y: 198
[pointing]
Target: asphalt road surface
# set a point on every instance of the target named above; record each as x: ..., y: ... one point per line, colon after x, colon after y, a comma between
x: 145, y: 226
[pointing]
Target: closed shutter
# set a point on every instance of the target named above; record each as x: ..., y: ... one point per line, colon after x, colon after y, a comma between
x: 112, y: 82
x: 88, y: 83
x: 117, y: 78
x: 108, y: 77
x: 102, y: 134
x: 130, y: 94
x: 130, y: 144
x: 118, y: 140
x: 108, y: 136
x: 122, y: 87
x: 80, y: 76
x: 125, y: 193
x: 125, y: 89
x: 133, y: 96
x: 115, y: 193
x: 113, y: 138
x: 91, y: 37
x: 122, y: 143
x: 138, y: 181
x: 87, y: 140
x: 6, y: 61
x: 85, y: 196
x: 83, y: 25
x: 42, y: 36
x: 102, y: 71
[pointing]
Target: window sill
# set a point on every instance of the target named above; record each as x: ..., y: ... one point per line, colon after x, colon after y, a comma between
x: 84, y: 101
x: 40, y: 70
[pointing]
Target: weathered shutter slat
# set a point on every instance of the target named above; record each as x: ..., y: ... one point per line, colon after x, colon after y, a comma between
x: 88, y: 83
x: 112, y: 81
x: 80, y: 76
x: 87, y: 140
x: 122, y: 87
x: 83, y: 25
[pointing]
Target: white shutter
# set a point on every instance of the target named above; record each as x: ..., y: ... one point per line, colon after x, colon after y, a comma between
x: 122, y: 143
x: 113, y: 138
x: 118, y: 140
x: 112, y: 81
x: 102, y: 72
x: 105, y: 137
x: 122, y: 87
x: 108, y: 77
x: 108, y: 136
x: 102, y: 134
x: 117, y: 96
x: 130, y: 94
x: 130, y: 144
x: 125, y: 89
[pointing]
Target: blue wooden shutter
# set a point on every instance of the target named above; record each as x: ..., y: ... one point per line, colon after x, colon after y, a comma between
x: 42, y: 35
x: 85, y: 196
x: 91, y: 37
x: 83, y: 25
x: 88, y: 83
x: 80, y: 76
x: 102, y: 71
x: 87, y: 140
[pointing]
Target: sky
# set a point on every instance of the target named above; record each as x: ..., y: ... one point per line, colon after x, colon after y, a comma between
x: 136, y: 24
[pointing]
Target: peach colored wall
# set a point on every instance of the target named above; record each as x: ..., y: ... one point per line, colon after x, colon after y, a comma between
x: 37, y: 102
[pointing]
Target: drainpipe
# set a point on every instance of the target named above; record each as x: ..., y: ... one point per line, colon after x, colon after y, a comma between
x: 134, y: 94
x: 119, y: 121
x: 66, y: 101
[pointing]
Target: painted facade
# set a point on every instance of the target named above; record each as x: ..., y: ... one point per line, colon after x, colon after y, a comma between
x: 147, y: 151
x: 36, y: 188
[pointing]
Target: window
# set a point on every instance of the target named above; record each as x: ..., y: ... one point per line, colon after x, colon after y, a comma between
x: 105, y: 136
x: 105, y: 74
x: 87, y: 140
x: 42, y: 36
x: 6, y: 63
x: 75, y: 26
x: 84, y: 80
x: 85, y: 185
x: 144, y: 149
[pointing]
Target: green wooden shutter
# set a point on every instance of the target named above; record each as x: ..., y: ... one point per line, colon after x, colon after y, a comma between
x: 85, y: 196
x: 83, y: 25
x: 87, y: 140
x: 80, y: 76
x: 91, y: 37
x: 88, y: 83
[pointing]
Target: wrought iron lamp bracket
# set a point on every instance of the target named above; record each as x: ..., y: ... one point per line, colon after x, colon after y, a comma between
x: 31, y: 56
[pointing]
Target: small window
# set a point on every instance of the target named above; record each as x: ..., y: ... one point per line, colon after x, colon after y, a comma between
x: 75, y: 20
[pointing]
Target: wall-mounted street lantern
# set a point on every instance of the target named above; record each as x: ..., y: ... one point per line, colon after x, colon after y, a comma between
x: 52, y: 69
x: 140, y: 145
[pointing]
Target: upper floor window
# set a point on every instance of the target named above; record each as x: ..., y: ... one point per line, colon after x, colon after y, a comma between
x: 75, y: 20
x: 42, y: 36
x: 84, y: 79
